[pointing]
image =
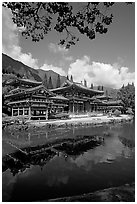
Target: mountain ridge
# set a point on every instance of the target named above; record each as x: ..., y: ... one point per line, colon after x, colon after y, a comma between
x: 11, y: 65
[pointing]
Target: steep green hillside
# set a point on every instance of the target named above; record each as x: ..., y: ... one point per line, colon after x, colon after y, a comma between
x: 10, y: 65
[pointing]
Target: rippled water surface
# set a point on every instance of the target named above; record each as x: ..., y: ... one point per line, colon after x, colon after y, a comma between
x: 111, y: 163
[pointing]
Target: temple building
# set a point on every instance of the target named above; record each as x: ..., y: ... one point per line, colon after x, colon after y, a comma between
x: 80, y: 97
x: 33, y: 99
x: 35, y: 102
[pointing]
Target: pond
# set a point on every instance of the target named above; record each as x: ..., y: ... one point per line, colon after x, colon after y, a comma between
x: 107, y: 164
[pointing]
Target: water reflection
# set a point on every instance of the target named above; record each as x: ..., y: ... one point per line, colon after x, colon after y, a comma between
x: 60, y: 168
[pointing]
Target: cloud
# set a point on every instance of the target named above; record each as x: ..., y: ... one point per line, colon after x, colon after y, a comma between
x: 59, y: 70
x: 11, y: 47
x: 10, y: 40
x: 57, y: 48
x: 100, y: 73
x: 68, y: 58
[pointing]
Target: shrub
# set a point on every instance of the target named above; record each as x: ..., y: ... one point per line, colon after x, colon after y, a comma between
x: 129, y: 111
x: 117, y: 113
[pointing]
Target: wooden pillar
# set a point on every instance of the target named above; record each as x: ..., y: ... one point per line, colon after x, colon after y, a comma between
x: 77, y: 107
x: 12, y: 111
x: 83, y: 106
x: 23, y: 111
x: 73, y: 107
x: 29, y: 112
x: 89, y: 107
x: 47, y: 114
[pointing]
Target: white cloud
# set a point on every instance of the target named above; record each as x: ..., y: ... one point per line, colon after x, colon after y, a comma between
x: 10, y: 40
x: 58, y: 70
x: 100, y: 73
x: 11, y: 47
x: 57, y: 48
x: 68, y: 58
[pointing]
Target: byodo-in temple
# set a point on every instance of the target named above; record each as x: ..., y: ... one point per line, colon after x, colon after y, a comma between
x: 33, y: 99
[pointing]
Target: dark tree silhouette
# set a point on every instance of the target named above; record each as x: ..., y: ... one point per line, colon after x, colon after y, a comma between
x: 50, y: 85
x: 71, y: 78
x: 18, y: 75
x: 58, y: 81
x: 45, y: 81
x: 67, y: 77
x: 102, y: 88
x: 127, y: 95
x: 91, y: 86
x: 38, y: 18
x: 85, y: 83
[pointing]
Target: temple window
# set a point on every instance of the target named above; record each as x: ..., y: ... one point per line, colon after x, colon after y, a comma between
x: 21, y: 112
x: 26, y: 112
x: 15, y: 112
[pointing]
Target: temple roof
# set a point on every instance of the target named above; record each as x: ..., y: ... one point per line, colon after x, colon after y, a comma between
x: 104, y: 97
x: 30, y: 81
x: 29, y: 90
x: 59, y: 97
x: 67, y: 84
x: 114, y: 102
x: 23, y: 81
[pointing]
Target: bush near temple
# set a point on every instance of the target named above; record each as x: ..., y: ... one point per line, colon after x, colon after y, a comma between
x: 127, y: 95
x: 117, y: 113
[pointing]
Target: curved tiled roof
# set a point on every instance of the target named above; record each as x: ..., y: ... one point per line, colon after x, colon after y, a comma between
x: 24, y: 91
x: 75, y: 84
x: 30, y: 81
x: 59, y: 97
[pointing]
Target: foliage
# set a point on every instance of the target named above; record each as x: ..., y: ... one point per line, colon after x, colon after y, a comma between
x: 85, y: 83
x: 91, y: 86
x: 45, y: 82
x: 38, y: 18
x: 71, y: 78
x: 58, y: 81
x: 127, y: 95
x: 129, y: 111
x: 117, y: 113
x: 50, y: 85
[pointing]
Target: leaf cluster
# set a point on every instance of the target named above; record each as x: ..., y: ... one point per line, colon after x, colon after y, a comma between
x: 127, y: 95
x: 38, y: 18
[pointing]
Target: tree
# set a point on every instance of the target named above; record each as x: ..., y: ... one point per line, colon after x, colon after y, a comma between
x: 102, y: 88
x: 99, y: 88
x: 45, y: 81
x: 91, y: 86
x: 132, y: 83
x: 50, y: 85
x: 58, y: 81
x: 38, y: 18
x: 67, y: 77
x: 85, y: 83
x: 18, y: 75
x: 71, y: 78
x: 123, y: 86
x: 127, y: 96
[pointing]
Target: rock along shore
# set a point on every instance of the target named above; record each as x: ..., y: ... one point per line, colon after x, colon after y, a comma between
x: 96, y: 120
x: 125, y: 193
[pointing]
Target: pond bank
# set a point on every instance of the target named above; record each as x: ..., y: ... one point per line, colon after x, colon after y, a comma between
x: 125, y: 193
x: 82, y: 121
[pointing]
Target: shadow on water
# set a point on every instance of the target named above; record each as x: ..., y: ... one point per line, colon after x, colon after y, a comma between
x: 40, y: 155
x: 57, y: 165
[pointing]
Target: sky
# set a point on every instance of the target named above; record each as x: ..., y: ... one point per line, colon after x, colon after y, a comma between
x: 108, y: 60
